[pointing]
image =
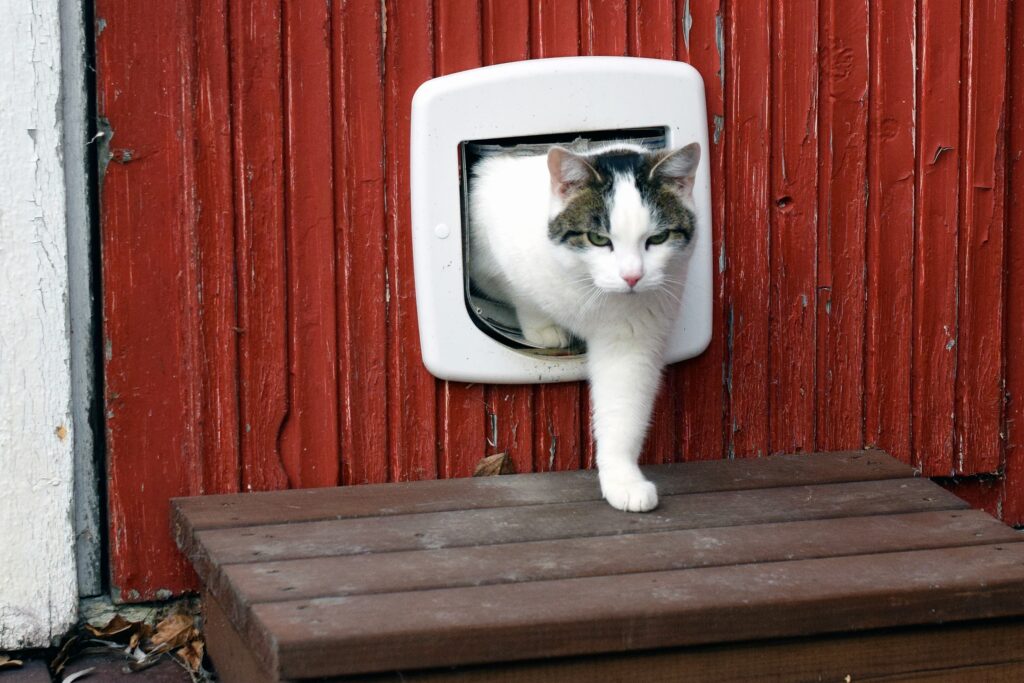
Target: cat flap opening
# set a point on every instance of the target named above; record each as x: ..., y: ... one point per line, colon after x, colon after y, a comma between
x: 493, y: 315
x: 524, y: 108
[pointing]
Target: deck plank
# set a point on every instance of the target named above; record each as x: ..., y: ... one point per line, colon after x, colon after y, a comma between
x: 463, y: 528
x: 889, y: 655
x: 208, y: 512
x: 640, y: 611
x: 608, y: 555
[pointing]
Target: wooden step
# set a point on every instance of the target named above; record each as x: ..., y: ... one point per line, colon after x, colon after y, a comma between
x: 744, y: 556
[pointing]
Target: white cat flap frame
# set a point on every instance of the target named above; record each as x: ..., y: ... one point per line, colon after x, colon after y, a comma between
x: 531, y: 98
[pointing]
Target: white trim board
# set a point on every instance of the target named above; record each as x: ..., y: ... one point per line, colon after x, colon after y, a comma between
x: 38, y: 586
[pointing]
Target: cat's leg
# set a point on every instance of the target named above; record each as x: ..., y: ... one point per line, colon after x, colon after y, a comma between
x: 539, y: 329
x: 624, y: 377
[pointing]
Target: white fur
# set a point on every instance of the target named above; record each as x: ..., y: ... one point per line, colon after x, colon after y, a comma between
x: 555, y: 288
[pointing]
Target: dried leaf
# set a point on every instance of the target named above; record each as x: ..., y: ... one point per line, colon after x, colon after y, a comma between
x: 8, y: 663
x: 62, y: 657
x: 191, y: 655
x: 78, y: 674
x: 116, y: 626
x: 141, y: 635
x: 499, y: 463
x: 174, y: 631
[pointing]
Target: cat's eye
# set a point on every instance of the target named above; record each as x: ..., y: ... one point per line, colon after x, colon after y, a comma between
x: 599, y: 240
x: 658, y: 238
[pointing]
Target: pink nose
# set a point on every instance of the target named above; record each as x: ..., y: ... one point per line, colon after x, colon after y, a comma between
x: 631, y: 280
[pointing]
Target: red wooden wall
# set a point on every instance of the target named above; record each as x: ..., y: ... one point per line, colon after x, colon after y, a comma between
x: 260, y: 328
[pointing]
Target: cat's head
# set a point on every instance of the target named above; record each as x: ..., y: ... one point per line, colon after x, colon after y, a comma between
x: 623, y: 215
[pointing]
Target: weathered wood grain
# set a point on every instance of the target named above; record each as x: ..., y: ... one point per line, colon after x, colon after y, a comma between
x: 842, y: 145
x: 794, y: 233
x: 256, y: 76
x: 606, y: 555
x: 1013, y: 501
x: 521, y: 524
x: 213, y: 512
x: 309, y: 436
x: 935, y: 250
x: 974, y: 652
x: 361, y: 241
x: 153, y: 344
x: 890, y: 229
x: 603, y: 29
x: 748, y: 155
x: 215, y: 233
x: 685, y: 607
x: 978, y: 443
x: 412, y: 394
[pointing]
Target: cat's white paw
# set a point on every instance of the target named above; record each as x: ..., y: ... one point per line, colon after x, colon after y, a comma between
x: 547, y: 336
x: 630, y: 494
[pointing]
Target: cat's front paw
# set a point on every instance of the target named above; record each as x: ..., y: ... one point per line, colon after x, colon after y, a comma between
x: 629, y: 494
x: 547, y: 336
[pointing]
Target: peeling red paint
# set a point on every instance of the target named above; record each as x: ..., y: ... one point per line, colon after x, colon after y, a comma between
x: 258, y: 292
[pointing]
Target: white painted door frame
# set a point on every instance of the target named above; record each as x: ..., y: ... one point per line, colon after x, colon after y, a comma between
x: 45, y: 324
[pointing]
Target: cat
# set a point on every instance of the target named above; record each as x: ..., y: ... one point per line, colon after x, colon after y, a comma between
x: 595, y: 246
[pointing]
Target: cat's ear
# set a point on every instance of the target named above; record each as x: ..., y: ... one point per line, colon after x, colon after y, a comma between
x: 569, y: 172
x: 678, y: 168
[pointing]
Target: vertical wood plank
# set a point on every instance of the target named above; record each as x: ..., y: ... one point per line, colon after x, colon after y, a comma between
x: 603, y: 27
x: 412, y: 408
x: 554, y: 28
x: 256, y: 72
x: 651, y: 33
x: 979, y: 390
x: 506, y: 30
x: 309, y: 436
x: 935, y: 250
x: 748, y: 150
x: 700, y: 383
x: 362, y: 240
x: 152, y: 341
x: 890, y: 230
x: 461, y: 407
x: 1013, y: 487
x: 510, y: 418
x: 554, y: 32
x: 216, y: 249
x: 841, y: 225
x: 794, y: 239
x: 651, y: 30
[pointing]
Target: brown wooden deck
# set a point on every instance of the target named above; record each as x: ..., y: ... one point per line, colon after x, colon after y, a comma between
x: 786, y: 568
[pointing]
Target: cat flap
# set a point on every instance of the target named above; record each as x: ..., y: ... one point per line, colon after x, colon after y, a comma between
x: 527, y: 107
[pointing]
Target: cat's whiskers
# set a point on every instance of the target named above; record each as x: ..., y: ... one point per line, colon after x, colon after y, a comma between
x: 671, y: 293
x: 593, y: 297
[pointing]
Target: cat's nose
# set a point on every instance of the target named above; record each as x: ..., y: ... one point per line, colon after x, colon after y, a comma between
x: 632, y: 278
